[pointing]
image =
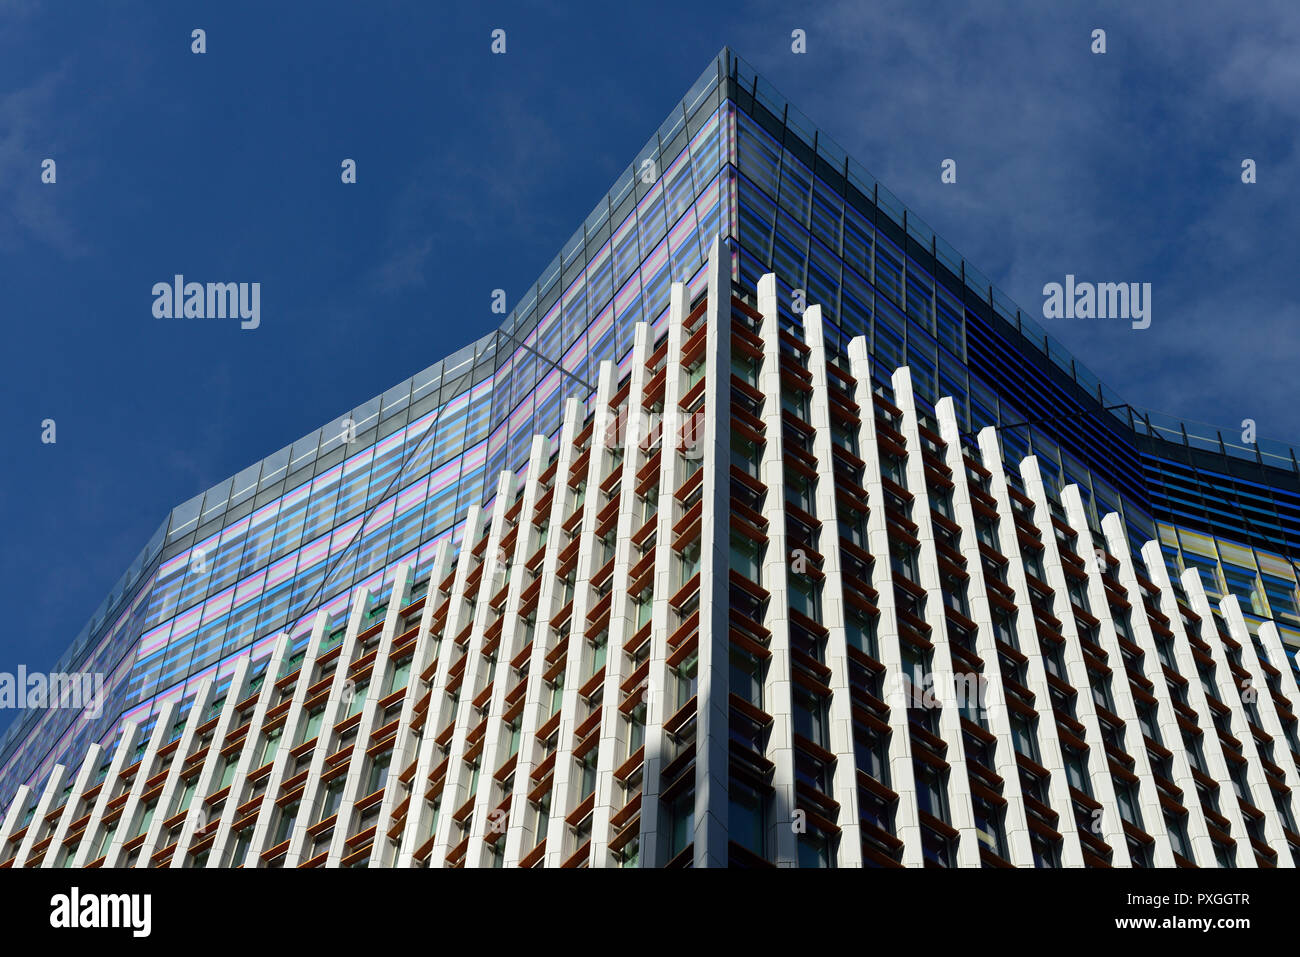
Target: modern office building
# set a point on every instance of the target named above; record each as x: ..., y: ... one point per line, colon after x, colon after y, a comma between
x: 671, y: 570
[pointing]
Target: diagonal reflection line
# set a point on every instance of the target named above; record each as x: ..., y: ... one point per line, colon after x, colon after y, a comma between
x: 550, y: 362
x: 353, y: 542
x: 348, y: 548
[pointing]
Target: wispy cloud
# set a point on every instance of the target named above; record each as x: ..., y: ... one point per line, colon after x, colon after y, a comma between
x: 452, y: 200
x: 1123, y: 167
x: 29, y: 209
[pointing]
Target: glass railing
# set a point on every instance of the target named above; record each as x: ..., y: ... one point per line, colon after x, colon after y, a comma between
x: 1277, y: 454
x: 1199, y: 435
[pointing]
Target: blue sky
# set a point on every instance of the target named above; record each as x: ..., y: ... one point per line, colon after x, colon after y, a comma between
x: 474, y: 168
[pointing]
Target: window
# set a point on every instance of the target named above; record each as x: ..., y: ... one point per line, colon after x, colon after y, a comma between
x: 941, y: 501
x: 891, y: 467
x: 860, y: 631
x: 871, y: 751
x: 747, y: 818
x: 1101, y: 690
x: 1034, y: 563
x: 1013, y: 669
x: 795, y: 401
x: 1076, y: 769
x: 903, y: 559
x: 187, y: 794
x: 240, y: 848
x: 681, y: 822
x: 745, y: 368
x: 379, y: 772
x: 799, y: 490
x: 1126, y: 795
x: 1255, y: 828
x: 1209, y: 797
x: 746, y: 556
x: 932, y: 790
x: 1176, y: 825
x: 334, y: 638
x: 988, y: 824
x: 686, y: 678
x: 1033, y: 785
x: 689, y: 563
x: 1165, y: 651
x: 1078, y: 593
x: 1123, y: 627
x: 745, y: 454
x: 954, y: 595
x: 1024, y: 735
x: 1061, y: 702
x: 812, y: 772
x: 596, y: 650
x: 269, y: 744
x: 1206, y: 674
x: 293, y: 663
x: 1289, y: 727
x: 1195, y: 753
x: 1004, y: 626
x: 146, y: 817
x: 312, y: 728
x: 630, y: 855
x: 401, y: 673
x: 1112, y: 734
x: 815, y: 849
x: 1282, y: 802
x: 333, y: 798
x: 938, y: 849
x: 806, y: 597
x: 642, y: 606
x: 844, y: 436
x: 541, y: 811
x: 876, y: 810
x: 587, y: 774
x: 636, y: 728
x: 1146, y: 713
x: 1054, y: 658
x: 1047, y: 852
x: 972, y: 694
x: 747, y: 673
x: 853, y: 525
x: 284, y: 823
x: 105, y: 840
x: 228, y: 772
x: 810, y: 715
x: 1161, y: 766
x: 1240, y: 783
x: 1224, y: 855
x: 471, y: 767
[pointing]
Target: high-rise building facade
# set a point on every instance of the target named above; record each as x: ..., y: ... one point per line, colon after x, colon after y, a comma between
x: 671, y: 570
